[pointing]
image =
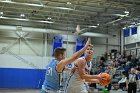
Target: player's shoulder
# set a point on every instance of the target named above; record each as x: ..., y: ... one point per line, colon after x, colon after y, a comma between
x: 80, y: 59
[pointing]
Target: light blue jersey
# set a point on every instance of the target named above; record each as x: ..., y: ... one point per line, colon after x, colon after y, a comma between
x: 52, y: 78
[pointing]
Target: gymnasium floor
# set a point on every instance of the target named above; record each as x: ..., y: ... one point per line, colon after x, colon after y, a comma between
x: 19, y: 90
x: 37, y: 91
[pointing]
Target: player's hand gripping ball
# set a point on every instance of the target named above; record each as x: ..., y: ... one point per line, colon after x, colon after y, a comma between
x: 106, y: 79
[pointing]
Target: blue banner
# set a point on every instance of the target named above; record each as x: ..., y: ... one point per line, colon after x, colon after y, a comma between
x: 126, y: 32
x: 80, y: 42
x: 133, y: 30
x: 57, y: 42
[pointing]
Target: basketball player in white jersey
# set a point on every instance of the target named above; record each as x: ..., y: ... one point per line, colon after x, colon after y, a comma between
x: 77, y: 79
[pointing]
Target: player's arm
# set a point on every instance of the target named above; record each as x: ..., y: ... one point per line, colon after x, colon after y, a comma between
x: 70, y: 69
x: 92, y: 80
x: 60, y: 66
x: 81, y: 71
x: 67, y: 69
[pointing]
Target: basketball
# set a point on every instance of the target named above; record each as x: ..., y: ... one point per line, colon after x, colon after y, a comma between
x: 106, y: 79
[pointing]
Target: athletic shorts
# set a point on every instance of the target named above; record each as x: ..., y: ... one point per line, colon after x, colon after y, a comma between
x: 76, y: 89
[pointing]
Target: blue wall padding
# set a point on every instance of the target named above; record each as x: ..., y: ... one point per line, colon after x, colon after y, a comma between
x: 21, y: 78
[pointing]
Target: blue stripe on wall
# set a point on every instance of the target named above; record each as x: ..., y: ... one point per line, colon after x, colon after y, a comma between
x: 21, y: 78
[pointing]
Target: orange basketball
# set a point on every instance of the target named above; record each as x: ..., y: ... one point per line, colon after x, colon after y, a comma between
x: 106, y: 79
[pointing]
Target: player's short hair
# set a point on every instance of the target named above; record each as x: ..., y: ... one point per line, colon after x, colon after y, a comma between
x: 90, y: 45
x: 59, y: 51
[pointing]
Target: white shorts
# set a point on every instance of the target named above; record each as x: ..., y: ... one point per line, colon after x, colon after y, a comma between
x: 76, y: 89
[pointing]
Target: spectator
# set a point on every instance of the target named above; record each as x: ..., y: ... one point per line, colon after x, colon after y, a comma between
x: 122, y: 82
x: 132, y: 81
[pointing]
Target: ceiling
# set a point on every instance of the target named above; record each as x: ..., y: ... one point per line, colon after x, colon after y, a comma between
x: 65, y: 15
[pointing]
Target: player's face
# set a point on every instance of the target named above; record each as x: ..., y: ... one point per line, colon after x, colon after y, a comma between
x: 61, y: 57
x: 89, y: 51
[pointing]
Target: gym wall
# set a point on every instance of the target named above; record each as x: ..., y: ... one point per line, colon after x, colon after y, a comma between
x: 23, y: 62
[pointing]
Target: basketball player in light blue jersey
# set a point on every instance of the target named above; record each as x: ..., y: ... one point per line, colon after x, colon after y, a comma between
x: 76, y: 81
x: 56, y: 66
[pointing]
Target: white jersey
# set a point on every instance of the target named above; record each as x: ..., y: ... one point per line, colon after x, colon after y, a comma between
x: 75, y: 84
x: 88, y: 67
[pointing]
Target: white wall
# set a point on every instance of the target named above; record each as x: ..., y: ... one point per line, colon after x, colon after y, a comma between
x: 99, y: 50
x: 11, y: 60
x: 101, y: 46
x: 36, y: 40
x: 138, y: 33
x: 132, y: 41
x: 133, y: 38
x: 70, y: 48
x: 19, y: 46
